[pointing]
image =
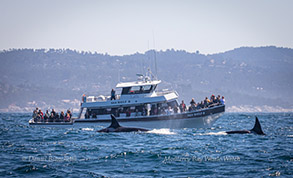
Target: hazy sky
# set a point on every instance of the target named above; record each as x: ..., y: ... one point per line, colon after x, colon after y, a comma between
x: 127, y: 26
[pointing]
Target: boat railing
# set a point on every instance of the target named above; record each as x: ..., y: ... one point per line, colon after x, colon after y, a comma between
x: 164, y: 113
x: 165, y: 92
x: 103, y: 98
x: 100, y: 98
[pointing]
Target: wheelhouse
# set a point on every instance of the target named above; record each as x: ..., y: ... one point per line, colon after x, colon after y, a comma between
x: 138, y: 98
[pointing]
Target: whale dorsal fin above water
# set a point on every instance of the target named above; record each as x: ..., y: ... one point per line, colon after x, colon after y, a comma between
x: 115, y: 127
x: 257, y: 127
x: 114, y: 122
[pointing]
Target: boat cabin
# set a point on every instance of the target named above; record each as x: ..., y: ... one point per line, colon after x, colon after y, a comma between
x: 138, y: 98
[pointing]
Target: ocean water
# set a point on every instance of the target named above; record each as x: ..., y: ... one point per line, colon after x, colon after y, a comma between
x: 79, y: 151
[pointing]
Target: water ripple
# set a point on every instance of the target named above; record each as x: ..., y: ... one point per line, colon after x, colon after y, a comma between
x: 79, y: 151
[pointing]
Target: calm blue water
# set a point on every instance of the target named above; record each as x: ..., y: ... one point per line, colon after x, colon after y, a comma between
x: 79, y: 151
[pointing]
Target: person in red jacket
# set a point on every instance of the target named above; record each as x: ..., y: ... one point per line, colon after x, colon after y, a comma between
x: 41, y: 115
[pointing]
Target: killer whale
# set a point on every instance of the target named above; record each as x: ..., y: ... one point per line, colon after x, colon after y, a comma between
x: 255, y: 130
x: 115, y: 127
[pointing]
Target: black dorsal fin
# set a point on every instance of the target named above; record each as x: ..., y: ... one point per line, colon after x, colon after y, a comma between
x: 257, y: 128
x: 114, y: 123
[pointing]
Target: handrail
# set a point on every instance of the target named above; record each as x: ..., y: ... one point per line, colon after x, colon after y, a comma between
x: 160, y: 93
x: 92, y: 98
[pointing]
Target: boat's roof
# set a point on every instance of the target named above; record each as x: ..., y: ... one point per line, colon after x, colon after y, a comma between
x: 137, y: 83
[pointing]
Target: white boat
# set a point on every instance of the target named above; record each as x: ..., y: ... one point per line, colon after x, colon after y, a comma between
x: 140, y: 104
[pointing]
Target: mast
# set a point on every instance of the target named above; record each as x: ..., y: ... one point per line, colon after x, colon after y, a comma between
x: 155, y: 56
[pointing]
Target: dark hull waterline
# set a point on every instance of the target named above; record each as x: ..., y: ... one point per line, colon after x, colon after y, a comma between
x: 51, y: 123
x: 194, y: 119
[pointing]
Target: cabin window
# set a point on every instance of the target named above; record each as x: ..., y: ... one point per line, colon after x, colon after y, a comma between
x: 100, y: 111
x: 173, y: 104
x: 139, y: 108
x: 135, y: 90
x: 125, y: 90
x: 138, y: 89
x: 147, y: 88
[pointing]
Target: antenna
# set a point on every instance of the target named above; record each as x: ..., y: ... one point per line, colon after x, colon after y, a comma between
x: 142, y: 62
x: 118, y: 75
x: 150, y: 62
x: 155, y: 56
x: 150, y: 74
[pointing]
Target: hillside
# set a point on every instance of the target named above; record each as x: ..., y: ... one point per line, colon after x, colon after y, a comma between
x: 257, y: 79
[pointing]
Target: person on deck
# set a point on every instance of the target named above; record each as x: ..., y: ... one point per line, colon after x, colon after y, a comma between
x: 53, y: 112
x: 35, y: 113
x: 182, y: 107
x: 176, y: 109
x: 70, y: 115
x: 192, y: 104
x: 201, y: 105
x: 51, y: 118
x: 206, y: 102
x: 62, y: 116
x: 87, y: 114
x: 40, y: 113
x: 47, y: 115
x: 189, y: 108
x: 212, y: 99
x: 128, y: 112
x: 169, y: 111
x: 198, y: 106
x: 57, y: 118
x: 83, y: 98
x: 222, y: 100
x: 67, y: 117
x: 192, y: 101
x: 113, y: 94
x: 218, y: 100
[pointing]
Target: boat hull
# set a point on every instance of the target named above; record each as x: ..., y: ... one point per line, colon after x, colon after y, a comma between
x: 203, y: 118
x: 31, y: 122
